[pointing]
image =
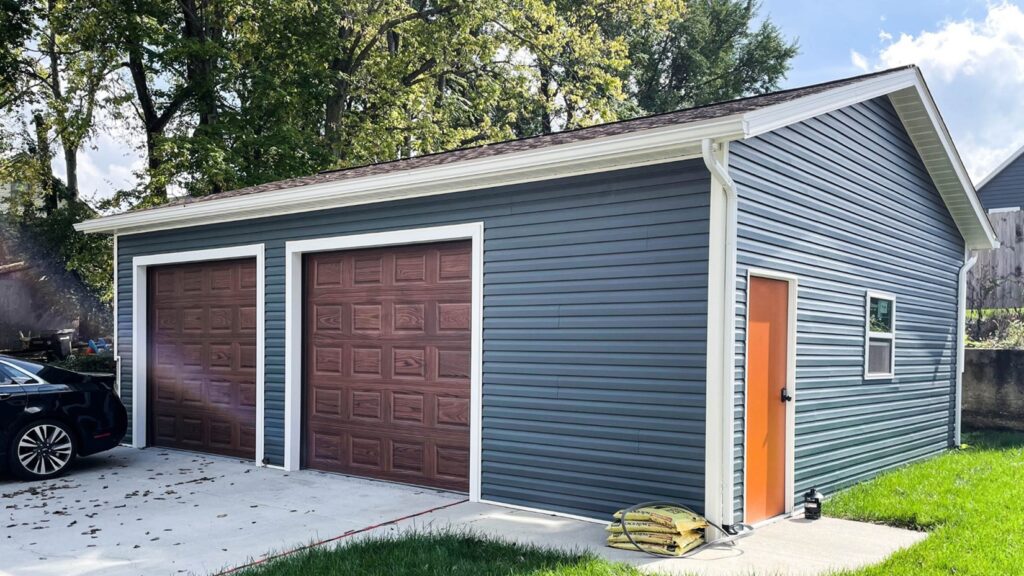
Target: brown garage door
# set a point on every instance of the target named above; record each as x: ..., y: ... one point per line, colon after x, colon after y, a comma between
x: 202, y: 357
x: 387, y: 360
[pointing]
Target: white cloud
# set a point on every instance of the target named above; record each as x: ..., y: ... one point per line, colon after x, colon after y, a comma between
x: 884, y: 36
x: 859, y: 61
x: 975, y: 69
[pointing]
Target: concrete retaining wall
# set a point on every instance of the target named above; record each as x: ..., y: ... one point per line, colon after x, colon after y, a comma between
x: 994, y: 389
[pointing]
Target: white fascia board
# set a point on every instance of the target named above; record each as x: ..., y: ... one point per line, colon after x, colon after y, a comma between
x: 589, y: 156
x: 948, y: 154
x: 787, y: 113
x: 1005, y: 163
x: 973, y: 222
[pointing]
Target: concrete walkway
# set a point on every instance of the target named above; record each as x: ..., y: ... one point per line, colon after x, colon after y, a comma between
x: 157, y: 512
x: 794, y: 547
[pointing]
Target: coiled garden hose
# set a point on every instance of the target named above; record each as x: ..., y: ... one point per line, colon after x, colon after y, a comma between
x: 734, y: 531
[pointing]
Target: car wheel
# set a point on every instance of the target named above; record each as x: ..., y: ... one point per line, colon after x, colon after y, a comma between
x: 42, y: 450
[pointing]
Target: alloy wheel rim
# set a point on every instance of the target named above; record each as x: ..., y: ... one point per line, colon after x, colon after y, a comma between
x: 44, y: 449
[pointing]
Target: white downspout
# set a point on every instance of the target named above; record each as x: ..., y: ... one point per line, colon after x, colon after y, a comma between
x: 961, y: 328
x: 715, y: 157
x: 113, y: 336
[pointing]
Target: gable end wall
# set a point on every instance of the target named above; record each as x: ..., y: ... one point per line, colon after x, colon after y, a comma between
x: 844, y: 202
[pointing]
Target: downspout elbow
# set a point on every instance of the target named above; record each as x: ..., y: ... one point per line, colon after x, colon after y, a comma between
x: 962, y: 286
x: 718, y: 172
x: 967, y: 267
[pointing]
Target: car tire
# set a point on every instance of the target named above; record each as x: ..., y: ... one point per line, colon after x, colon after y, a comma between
x: 41, y: 450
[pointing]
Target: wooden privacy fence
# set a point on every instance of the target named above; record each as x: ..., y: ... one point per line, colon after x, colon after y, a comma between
x: 997, y: 280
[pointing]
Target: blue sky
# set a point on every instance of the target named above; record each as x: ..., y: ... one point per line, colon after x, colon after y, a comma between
x: 829, y: 30
x: 970, y: 51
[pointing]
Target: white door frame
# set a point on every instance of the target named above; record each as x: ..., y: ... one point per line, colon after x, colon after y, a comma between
x: 793, y: 283
x: 140, y: 266
x: 294, y: 251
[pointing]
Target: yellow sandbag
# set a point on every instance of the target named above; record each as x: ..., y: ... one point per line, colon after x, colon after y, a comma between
x: 682, y: 540
x: 666, y: 549
x: 639, y: 526
x: 673, y: 517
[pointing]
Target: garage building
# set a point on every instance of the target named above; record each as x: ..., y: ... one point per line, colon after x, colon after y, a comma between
x: 722, y: 306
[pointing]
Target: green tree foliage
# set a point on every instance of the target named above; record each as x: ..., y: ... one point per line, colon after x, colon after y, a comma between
x: 715, y: 52
x: 49, y: 230
x: 15, y: 30
x: 50, y: 89
x: 226, y: 94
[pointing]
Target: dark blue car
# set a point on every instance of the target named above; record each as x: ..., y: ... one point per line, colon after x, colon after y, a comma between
x: 49, y: 415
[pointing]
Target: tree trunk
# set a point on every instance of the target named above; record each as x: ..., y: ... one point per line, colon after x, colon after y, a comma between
x: 71, y: 167
x: 70, y: 158
x: 336, y: 102
x: 44, y: 157
x: 153, y: 162
x: 547, y: 121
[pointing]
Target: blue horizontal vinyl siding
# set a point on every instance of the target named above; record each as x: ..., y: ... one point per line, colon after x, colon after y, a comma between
x: 844, y: 202
x: 1006, y: 189
x: 595, y: 304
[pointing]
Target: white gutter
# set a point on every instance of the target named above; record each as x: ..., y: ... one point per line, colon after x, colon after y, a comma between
x: 961, y: 328
x: 642, y: 147
x: 721, y: 334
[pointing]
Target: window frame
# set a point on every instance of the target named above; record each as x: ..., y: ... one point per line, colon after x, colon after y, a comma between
x: 870, y: 334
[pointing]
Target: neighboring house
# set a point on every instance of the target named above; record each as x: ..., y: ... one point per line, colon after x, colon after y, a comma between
x: 1004, y: 186
x: 997, y: 280
x: 577, y: 321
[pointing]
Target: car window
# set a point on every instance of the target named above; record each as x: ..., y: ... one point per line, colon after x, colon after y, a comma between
x: 50, y: 374
x: 6, y: 376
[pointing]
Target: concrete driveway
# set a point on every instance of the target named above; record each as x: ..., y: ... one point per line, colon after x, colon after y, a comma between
x: 157, y: 512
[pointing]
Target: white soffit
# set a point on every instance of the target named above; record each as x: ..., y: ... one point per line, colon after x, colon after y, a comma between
x: 917, y: 110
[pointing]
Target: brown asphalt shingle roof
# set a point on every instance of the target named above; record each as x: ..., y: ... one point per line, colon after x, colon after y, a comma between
x: 708, y: 112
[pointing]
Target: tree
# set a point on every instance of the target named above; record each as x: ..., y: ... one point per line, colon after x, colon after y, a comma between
x: 713, y: 53
x: 580, y: 51
x: 15, y: 30
x: 169, y: 56
x: 48, y: 77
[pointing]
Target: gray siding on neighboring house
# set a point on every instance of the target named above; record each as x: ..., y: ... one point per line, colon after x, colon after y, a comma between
x: 843, y: 202
x: 595, y: 292
x: 1006, y: 189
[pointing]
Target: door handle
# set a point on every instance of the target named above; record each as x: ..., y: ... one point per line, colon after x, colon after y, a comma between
x: 786, y: 397
x: 5, y: 395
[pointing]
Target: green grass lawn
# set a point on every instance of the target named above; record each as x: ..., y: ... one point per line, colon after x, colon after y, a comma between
x: 971, y: 501
x: 438, y: 554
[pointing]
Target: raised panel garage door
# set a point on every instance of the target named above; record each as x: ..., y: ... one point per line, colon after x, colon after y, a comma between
x: 202, y: 357
x: 387, y: 363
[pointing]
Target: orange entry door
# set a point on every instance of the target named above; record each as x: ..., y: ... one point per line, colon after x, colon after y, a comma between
x: 767, y: 354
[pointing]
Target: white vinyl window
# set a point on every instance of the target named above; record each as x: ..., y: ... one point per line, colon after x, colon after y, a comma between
x: 879, y: 335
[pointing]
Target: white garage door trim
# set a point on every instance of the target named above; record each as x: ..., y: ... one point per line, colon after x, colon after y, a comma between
x: 140, y: 265
x: 293, y: 327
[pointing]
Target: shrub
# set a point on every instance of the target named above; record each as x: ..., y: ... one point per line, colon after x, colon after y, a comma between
x: 102, y: 363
